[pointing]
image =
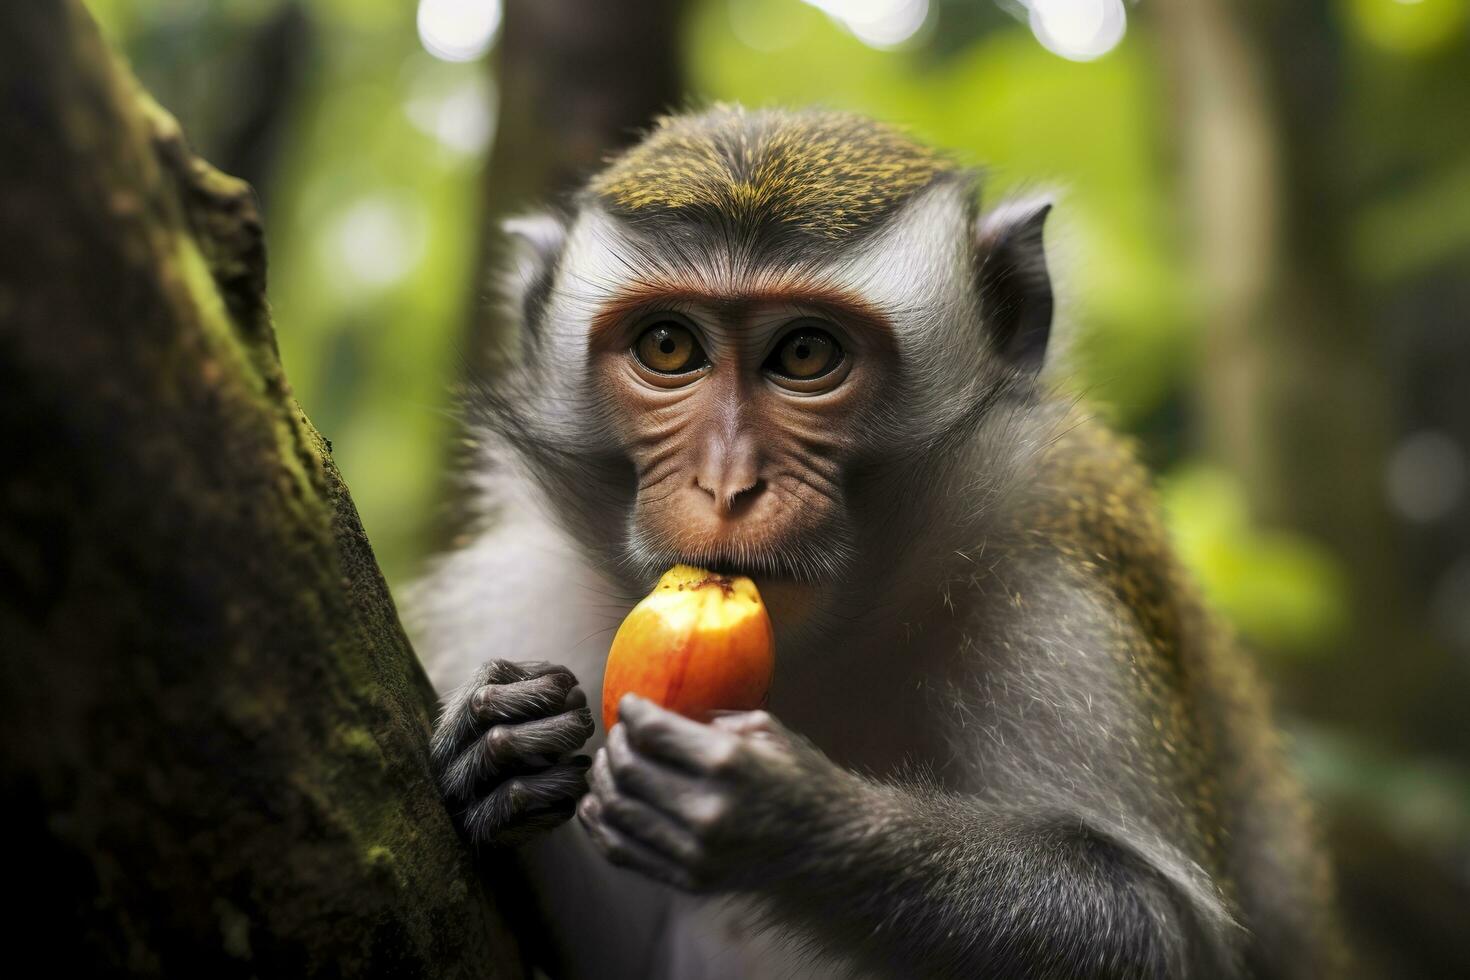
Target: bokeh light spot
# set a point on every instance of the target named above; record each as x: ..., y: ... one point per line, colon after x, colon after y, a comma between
x: 1078, y: 30
x: 1426, y: 476
x: 376, y: 242
x: 460, y: 115
x: 877, y: 23
x: 458, y: 30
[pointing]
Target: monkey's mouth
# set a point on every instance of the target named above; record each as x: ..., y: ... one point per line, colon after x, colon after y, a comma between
x: 816, y: 553
x: 786, y: 567
x: 734, y: 569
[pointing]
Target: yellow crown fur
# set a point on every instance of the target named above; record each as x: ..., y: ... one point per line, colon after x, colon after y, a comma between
x: 828, y: 172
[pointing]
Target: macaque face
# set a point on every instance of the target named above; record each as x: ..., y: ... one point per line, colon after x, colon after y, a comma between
x: 741, y: 416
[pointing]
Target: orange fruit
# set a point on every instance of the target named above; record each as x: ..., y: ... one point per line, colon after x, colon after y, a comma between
x: 698, y: 642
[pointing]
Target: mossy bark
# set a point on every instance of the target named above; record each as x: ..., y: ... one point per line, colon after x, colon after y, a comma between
x: 212, y: 727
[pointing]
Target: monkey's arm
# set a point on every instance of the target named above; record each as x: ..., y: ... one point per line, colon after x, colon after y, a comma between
x: 912, y: 881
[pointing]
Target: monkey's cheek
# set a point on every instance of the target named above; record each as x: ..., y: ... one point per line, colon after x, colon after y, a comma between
x: 791, y: 603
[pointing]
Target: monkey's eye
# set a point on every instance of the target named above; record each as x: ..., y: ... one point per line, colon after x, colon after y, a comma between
x: 805, y: 354
x: 669, y: 347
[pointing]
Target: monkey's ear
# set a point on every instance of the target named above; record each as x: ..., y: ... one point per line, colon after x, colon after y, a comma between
x: 537, y: 241
x: 1015, y: 289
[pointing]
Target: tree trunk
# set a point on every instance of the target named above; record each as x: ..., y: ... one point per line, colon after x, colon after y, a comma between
x: 1294, y: 395
x: 577, y: 81
x: 1293, y: 388
x: 212, y: 727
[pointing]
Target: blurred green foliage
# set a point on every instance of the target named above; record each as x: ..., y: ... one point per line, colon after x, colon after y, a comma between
x: 1095, y: 135
x: 372, y: 237
x: 1423, y: 802
x: 1281, y: 592
x: 372, y: 223
x: 1409, y: 26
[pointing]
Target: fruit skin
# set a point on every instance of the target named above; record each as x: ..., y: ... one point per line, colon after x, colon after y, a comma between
x: 698, y: 642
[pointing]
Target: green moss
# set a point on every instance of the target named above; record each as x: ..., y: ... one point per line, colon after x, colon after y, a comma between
x: 358, y: 741
x: 215, y: 703
x: 234, y: 927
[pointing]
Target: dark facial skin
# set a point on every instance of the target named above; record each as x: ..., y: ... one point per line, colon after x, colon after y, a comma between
x: 740, y: 434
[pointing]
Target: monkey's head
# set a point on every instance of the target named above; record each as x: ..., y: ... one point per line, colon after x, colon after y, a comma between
x: 757, y: 335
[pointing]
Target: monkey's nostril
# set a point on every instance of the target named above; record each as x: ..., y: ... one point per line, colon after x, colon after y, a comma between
x: 741, y: 500
x: 749, y: 493
x: 732, y: 501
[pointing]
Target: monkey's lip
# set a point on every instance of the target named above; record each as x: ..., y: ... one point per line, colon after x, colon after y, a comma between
x: 756, y: 571
x: 763, y: 575
x: 732, y: 569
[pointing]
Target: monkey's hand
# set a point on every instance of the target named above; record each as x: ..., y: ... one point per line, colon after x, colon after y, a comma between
x: 717, y: 807
x: 500, y: 750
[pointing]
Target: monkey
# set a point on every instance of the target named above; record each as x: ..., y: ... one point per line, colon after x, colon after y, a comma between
x: 1006, y: 738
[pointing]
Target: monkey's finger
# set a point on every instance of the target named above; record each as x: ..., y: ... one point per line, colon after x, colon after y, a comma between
x: 672, y: 738
x: 626, y: 851
x: 670, y: 840
x: 524, y: 804
x: 532, y: 825
x: 599, y: 778
x: 510, y: 671
x: 458, y: 722
x: 538, y: 697
x: 506, y: 747
x: 618, y: 771
x: 576, y: 698
x: 756, y: 723
x: 638, y: 776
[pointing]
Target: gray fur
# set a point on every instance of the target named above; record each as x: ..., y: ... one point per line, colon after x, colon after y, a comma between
x: 961, y: 778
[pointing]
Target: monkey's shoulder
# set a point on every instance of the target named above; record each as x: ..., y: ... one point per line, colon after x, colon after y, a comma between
x: 1092, y: 495
x: 1092, y: 503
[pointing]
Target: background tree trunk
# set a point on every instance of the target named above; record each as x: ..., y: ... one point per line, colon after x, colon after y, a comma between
x: 1294, y: 385
x: 577, y: 81
x: 212, y: 727
x: 1296, y: 394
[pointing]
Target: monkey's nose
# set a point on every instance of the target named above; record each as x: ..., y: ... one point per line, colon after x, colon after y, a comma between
x: 731, y: 496
x: 729, y: 471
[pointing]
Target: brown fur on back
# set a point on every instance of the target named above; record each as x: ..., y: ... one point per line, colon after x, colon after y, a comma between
x: 1096, y: 505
